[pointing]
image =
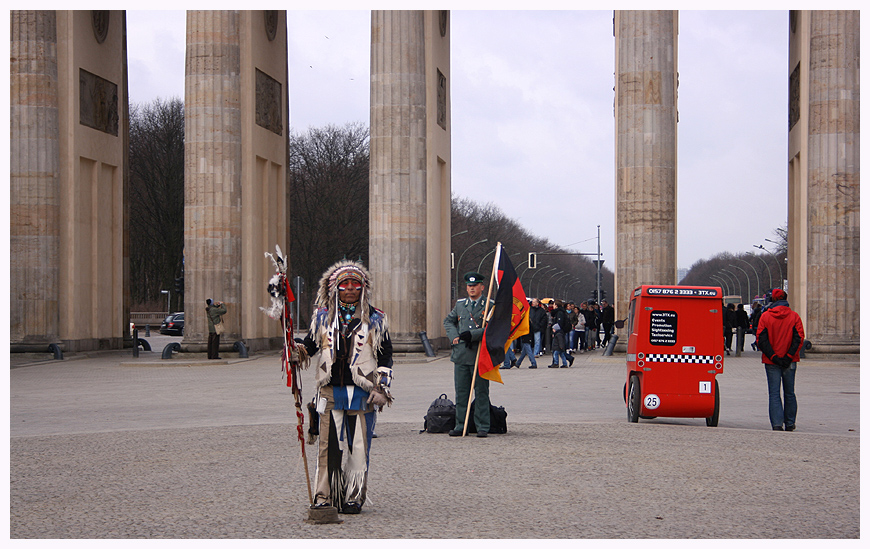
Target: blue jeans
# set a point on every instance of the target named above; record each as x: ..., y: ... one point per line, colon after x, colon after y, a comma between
x: 509, y: 357
x: 572, y: 339
x: 537, y: 343
x: 527, y: 351
x: 776, y: 376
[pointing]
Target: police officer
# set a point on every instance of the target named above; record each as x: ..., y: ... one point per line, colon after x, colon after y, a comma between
x: 464, y: 327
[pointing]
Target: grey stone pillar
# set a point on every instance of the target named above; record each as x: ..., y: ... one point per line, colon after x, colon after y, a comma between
x: 824, y: 182
x: 398, y: 172
x: 646, y: 151
x: 212, y: 172
x: 34, y: 179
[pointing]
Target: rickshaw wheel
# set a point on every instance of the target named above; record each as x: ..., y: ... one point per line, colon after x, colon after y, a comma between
x: 713, y: 420
x: 633, y: 399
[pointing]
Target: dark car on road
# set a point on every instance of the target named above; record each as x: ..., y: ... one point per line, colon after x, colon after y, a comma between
x: 173, y: 324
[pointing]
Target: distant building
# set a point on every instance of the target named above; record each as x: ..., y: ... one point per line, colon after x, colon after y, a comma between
x: 681, y: 274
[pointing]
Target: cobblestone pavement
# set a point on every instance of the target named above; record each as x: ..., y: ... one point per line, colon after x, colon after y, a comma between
x: 107, y: 446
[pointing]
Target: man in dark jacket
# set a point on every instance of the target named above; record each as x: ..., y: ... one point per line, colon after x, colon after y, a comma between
x: 780, y: 336
x: 537, y: 324
x: 560, y: 321
x: 608, y: 318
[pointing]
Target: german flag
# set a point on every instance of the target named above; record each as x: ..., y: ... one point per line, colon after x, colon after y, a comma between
x: 509, y: 320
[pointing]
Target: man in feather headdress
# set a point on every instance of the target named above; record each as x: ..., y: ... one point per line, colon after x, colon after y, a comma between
x: 350, y: 348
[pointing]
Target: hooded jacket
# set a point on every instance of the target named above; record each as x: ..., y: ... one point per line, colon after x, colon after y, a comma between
x: 780, y: 333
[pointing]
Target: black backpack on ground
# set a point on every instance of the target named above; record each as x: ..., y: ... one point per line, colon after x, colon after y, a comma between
x: 441, y: 416
x: 497, y: 419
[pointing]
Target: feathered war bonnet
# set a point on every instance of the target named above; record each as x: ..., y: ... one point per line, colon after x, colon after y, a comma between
x: 327, y: 298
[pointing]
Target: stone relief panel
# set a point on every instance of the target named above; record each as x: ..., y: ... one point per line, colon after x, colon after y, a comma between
x: 794, y: 96
x: 271, y: 19
x: 268, y: 92
x: 98, y: 103
x: 100, y: 22
x: 442, y: 100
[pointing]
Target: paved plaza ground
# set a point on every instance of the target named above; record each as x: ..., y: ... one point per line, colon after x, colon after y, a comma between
x: 108, y: 446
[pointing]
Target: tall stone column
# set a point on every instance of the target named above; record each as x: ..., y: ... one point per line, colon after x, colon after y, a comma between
x: 34, y: 179
x: 824, y: 177
x: 212, y: 172
x: 409, y: 210
x: 646, y: 151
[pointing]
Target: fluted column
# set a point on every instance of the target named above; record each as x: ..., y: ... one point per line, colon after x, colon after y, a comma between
x: 212, y: 170
x: 646, y: 151
x: 398, y: 173
x: 34, y: 178
x: 832, y: 157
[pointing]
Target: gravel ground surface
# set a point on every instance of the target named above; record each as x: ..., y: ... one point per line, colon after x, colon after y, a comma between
x: 107, y: 446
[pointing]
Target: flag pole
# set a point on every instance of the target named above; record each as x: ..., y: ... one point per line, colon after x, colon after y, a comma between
x: 485, y: 320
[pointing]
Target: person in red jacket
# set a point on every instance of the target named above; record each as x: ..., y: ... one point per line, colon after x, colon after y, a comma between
x: 780, y: 335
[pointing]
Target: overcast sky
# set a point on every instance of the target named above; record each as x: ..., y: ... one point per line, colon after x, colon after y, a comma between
x: 532, y: 113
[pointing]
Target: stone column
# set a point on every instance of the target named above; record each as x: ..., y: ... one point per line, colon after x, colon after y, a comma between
x: 212, y: 172
x: 397, y: 207
x: 646, y: 151
x: 824, y: 177
x: 34, y: 179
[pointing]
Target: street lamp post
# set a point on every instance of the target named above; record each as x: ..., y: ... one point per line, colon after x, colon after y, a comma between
x: 776, y: 260
x: 724, y: 274
x: 556, y: 282
x: 480, y: 265
x: 748, y: 298
x: 722, y: 283
x: 757, y: 278
x: 568, y: 287
x: 769, y: 273
x: 538, y: 270
x: 545, y: 284
x: 456, y: 290
x: 730, y: 274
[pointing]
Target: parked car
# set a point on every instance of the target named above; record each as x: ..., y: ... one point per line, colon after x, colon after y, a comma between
x: 173, y: 324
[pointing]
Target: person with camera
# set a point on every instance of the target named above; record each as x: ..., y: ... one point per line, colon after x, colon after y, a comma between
x: 214, y: 310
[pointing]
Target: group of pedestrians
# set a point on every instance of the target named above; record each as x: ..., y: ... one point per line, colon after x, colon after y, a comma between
x: 564, y: 329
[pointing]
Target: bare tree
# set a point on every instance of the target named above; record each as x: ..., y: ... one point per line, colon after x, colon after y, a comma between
x: 328, y: 201
x: 558, y: 274
x: 157, y: 199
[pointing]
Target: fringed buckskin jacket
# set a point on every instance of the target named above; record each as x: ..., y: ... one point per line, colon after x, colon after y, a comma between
x: 353, y: 358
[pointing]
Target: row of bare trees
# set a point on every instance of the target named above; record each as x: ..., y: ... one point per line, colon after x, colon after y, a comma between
x: 748, y: 275
x: 328, y: 207
x: 156, y: 202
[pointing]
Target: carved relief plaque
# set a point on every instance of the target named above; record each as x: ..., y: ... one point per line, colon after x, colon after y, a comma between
x: 271, y: 18
x: 268, y: 92
x: 98, y: 103
x: 442, y: 100
x: 794, y: 96
x: 100, y: 22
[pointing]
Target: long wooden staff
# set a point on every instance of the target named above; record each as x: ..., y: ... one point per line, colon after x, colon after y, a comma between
x: 485, y: 320
x: 293, y: 372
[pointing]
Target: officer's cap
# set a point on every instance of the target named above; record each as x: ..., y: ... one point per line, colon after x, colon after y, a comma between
x: 473, y: 277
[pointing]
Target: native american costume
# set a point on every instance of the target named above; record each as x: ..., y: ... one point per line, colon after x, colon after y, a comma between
x: 350, y: 348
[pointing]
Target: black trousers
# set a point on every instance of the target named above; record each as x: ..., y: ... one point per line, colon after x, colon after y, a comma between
x: 214, y: 343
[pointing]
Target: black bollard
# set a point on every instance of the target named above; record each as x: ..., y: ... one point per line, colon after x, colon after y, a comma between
x: 427, y: 345
x: 135, y: 342
x: 611, y: 344
x: 147, y: 330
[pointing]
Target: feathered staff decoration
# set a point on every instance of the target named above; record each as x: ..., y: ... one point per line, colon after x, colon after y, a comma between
x: 294, y: 356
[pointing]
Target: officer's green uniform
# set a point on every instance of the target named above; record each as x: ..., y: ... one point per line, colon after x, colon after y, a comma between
x: 467, y: 315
